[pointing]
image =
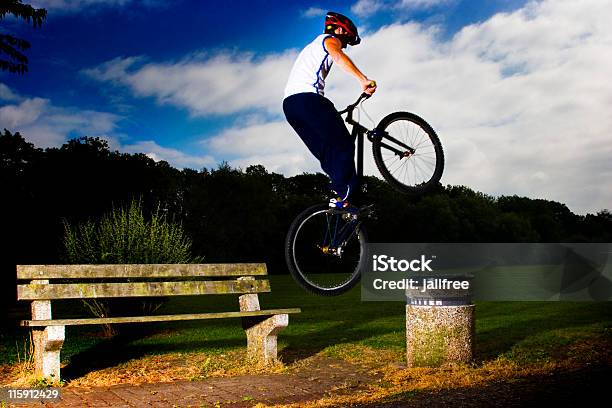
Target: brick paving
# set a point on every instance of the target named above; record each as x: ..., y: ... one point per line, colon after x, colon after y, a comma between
x: 307, y: 384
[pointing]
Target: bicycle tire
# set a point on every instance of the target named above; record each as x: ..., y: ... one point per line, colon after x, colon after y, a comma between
x: 299, y: 247
x: 417, y: 130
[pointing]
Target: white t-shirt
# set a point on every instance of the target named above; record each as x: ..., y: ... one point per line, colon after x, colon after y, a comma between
x: 310, y: 68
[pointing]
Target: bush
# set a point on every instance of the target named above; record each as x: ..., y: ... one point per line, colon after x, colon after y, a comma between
x: 126, y: 236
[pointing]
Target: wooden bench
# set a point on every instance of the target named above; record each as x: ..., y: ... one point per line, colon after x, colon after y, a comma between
x: 111, y: 281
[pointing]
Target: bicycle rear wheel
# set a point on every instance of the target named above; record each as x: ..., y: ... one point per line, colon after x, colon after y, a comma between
x: 324, y: 250
x: 408, y: 153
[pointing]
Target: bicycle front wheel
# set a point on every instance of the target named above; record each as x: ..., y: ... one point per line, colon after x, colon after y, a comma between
x: 324, y: 250
x: 408, y: 153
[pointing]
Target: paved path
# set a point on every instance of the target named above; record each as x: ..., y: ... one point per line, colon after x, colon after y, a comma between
x: 309, y: 384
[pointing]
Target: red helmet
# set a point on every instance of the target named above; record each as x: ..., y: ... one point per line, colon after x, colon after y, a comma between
x: 335, y: 20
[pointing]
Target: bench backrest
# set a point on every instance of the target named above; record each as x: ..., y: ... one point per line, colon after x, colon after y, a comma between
x: 48, y: 282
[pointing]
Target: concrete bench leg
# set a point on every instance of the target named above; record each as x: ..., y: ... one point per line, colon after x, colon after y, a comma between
x: 262, y: 337
x: 48, y: 342
x: 262, y: 331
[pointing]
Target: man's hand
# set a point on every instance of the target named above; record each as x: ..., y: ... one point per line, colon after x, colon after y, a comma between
x: 368, y: 86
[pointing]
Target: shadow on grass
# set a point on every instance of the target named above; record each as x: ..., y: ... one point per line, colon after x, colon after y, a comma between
x: 121, y: 349
x: 309, y: 344
x: 501, y: 326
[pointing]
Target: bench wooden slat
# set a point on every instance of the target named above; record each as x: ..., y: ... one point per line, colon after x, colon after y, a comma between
x: 138, y: 271
x: 160, y: 318
x: 138, y: 289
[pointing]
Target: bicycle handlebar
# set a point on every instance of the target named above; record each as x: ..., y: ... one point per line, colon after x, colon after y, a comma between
x: 363, y: 95
x: 349, y: 109
x: 352, y: 106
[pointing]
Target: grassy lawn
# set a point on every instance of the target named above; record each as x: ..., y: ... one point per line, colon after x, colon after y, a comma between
x: 521, y: 333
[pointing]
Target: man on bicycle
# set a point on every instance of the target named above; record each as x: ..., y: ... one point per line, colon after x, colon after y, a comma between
x: 314, y: 117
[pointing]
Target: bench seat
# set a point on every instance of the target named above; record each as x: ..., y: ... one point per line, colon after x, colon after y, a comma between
x: 159, y: 318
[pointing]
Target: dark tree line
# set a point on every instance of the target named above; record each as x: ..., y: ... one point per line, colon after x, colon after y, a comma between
x: 236, y: 215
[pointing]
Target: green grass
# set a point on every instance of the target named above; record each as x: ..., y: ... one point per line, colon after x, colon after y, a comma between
x: 519, y: 331
x: 534, y: 331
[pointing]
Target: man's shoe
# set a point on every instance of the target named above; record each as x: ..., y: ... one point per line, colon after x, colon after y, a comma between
x: 348, y: 211
x: 338, y: 203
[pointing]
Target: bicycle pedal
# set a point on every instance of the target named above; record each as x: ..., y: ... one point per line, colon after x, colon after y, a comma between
x: 347, y: 216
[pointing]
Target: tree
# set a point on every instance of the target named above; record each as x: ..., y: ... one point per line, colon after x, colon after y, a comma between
x: 15, y: 154
x: 12, y: 58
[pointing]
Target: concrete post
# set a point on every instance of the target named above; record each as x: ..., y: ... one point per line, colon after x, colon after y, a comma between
x: 439, y: 326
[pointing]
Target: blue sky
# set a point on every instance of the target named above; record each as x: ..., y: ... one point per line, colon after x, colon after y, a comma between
x: 200, y: 82
x: 91, y: 33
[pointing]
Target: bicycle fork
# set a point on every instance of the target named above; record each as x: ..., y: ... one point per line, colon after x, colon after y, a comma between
x: 409, y: 151
x: 359, y: 131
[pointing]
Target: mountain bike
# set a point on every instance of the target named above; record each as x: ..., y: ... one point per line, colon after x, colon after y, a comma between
x: 325, y: 247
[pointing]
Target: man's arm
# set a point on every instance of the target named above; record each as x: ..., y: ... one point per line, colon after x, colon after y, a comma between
x: 334, y: 47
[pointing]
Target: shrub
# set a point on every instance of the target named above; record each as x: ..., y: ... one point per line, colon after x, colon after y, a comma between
x: 126, y: 236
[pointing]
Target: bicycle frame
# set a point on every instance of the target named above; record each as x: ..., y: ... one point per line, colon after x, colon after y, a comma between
x: 337, y: 239
x: 358, y: 131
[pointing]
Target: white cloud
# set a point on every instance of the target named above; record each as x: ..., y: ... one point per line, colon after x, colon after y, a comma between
x: 6, y: 94
x: 221, y: 84
x: 274, y: 145
x: 420, y: 3
x: 175, y: 157
x: 114, y: 70
x: 47, y: 125
x: 314, y: 12
x: 365, y: 8
x: 23, y: 114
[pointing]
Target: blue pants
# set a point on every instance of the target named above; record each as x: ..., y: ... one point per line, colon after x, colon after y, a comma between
x: 321, y: 128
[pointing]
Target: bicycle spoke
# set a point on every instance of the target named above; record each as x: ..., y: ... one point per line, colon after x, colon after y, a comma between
x: 416, y: 167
